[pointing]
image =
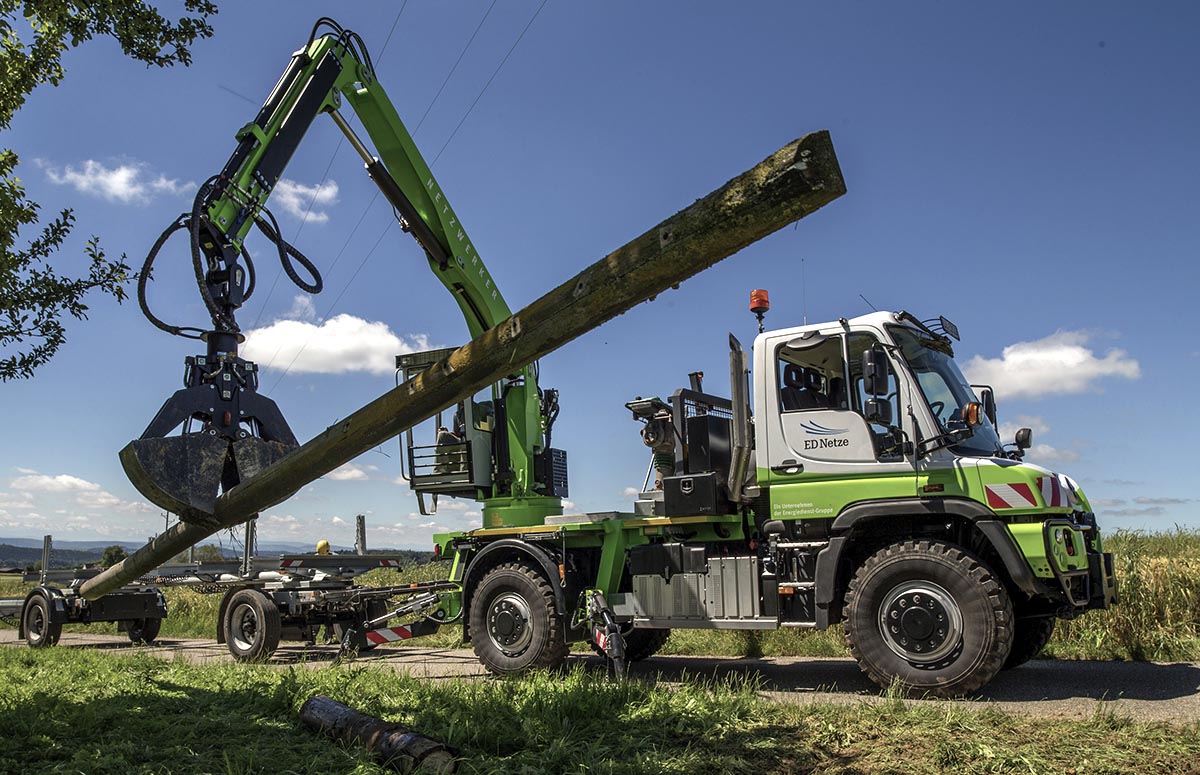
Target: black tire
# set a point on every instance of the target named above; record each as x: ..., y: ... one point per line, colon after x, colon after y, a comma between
x: 1030, y: 636
x: 515, y: 625
x: 949, y: 619
x: 142, y: 631
x: 640, y: 643
x: 40, y: 632
x: 251, y: 626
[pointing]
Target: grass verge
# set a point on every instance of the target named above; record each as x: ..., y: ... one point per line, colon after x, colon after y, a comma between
x: 78, y: 711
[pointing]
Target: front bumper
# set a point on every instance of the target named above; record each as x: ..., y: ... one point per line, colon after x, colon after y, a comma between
x: 1085, y: 576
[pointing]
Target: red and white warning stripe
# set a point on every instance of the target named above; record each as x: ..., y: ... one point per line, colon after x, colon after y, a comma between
x: 1053, y: 491
x: 1017, y: 495
x: 388, y: 634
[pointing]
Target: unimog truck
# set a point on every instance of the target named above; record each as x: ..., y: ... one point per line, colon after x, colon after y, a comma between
x: 868, y: 488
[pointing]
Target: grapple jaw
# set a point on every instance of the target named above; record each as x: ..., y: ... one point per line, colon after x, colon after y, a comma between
x: 185, y: 474
x: 240, y: 433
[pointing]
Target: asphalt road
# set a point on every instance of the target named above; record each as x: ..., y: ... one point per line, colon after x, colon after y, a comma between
x: 1149, y: 691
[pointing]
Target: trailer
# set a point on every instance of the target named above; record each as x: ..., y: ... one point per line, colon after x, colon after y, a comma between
x: 309, y: 598
x: 137, y: 608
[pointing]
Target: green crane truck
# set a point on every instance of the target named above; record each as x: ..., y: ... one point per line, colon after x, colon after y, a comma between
x: 867, y: 488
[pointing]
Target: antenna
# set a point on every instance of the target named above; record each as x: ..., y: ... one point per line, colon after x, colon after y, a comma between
x: 869, y: 304
x: 803, y: 292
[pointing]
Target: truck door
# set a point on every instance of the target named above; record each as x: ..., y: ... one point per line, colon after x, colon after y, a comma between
x: 822, y: 452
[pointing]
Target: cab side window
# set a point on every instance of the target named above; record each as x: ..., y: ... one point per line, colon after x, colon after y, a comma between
x: 885, y: 435
x: 812, y: 377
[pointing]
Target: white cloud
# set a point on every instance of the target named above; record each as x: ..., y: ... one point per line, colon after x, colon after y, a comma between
x: 338, y: 521
x: 1039, y: 452
x: 20, y: 500
x: 303, y: 201
x: 1044, y: 453
x: 349, y: 472
x: 343, y: 343
x: 302, y: 309
x: 630, y: 492
x: 106, y: 500
x: 130, y: 182
x: 1059, y: 363
x: 568, y: 504
x: 60, y: 483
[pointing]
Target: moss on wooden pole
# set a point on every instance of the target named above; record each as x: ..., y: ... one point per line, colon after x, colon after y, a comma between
x: 791, y: 183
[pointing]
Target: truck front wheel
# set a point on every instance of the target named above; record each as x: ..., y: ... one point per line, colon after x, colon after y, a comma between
x: 929, y: 615
x: 514, y: 623
x: 251, y: 625
x: 39, y: 630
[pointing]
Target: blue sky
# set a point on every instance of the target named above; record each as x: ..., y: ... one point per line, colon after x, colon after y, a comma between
x: 1027, y: 170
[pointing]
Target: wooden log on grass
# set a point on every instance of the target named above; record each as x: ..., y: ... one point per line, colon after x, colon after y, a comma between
x: 398, y: 747
x: 791, y: 183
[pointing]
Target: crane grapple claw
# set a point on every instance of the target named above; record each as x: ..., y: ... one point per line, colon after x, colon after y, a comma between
x: 184, y: 474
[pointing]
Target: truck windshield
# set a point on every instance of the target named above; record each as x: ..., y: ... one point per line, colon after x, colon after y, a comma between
x: 945, y: 389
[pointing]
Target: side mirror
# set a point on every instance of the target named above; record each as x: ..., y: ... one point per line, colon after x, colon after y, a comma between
x: 1024, y: 438
x: 878, y: 412
x: 972, y: 413
x: 875, y: 373
x: 988, y: 399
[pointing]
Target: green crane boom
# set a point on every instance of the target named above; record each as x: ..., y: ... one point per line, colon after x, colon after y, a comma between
x: 330, y: 70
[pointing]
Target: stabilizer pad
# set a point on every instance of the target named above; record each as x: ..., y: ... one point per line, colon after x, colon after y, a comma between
x: 181, y: 474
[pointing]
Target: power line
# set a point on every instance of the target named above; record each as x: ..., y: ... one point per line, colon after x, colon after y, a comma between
x: 489, y: 82
x: 433, y: 102
x: 457, y: 61
x: 316, y: 192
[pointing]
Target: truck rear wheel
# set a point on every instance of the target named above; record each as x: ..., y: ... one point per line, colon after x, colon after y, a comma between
x: 929, y: 615
x: 40, y: 632
x: 142, y: 631
x: 1030, y: 636
x: 514, y: 623
x: 251, y: 625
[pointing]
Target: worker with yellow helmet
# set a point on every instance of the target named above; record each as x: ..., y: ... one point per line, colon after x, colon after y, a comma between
x: 322, y: 546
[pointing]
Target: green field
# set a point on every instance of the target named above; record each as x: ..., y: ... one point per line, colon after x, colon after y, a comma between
x: 1158, y: 619
x: 97, y: 713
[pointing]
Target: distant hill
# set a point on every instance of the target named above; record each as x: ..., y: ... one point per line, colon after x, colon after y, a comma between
x: 24, y: 556
x: 25, y: 552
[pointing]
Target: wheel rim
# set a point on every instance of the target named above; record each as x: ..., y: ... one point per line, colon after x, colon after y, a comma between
x: 920, y: 622
x: 509, y: 625
x: 35, y: 624
x: 243, y: 630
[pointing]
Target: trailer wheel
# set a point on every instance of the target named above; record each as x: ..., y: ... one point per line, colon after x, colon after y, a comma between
x: 930, y: 616
x: 640, y: 643
x: 142, y: 631
x: 251, y: 626
x: 514, y: 623
x: 40, y: 631
x: 1030, y: 636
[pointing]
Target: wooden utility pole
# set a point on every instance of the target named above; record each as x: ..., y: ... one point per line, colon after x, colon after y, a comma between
x: 791, y: 183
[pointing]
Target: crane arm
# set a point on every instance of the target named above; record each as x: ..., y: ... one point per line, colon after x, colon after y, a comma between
x: 331, y: 70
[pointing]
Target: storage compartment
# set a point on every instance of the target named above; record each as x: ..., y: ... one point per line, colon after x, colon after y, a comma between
x: 694, y: 494
x: 725, y: 597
